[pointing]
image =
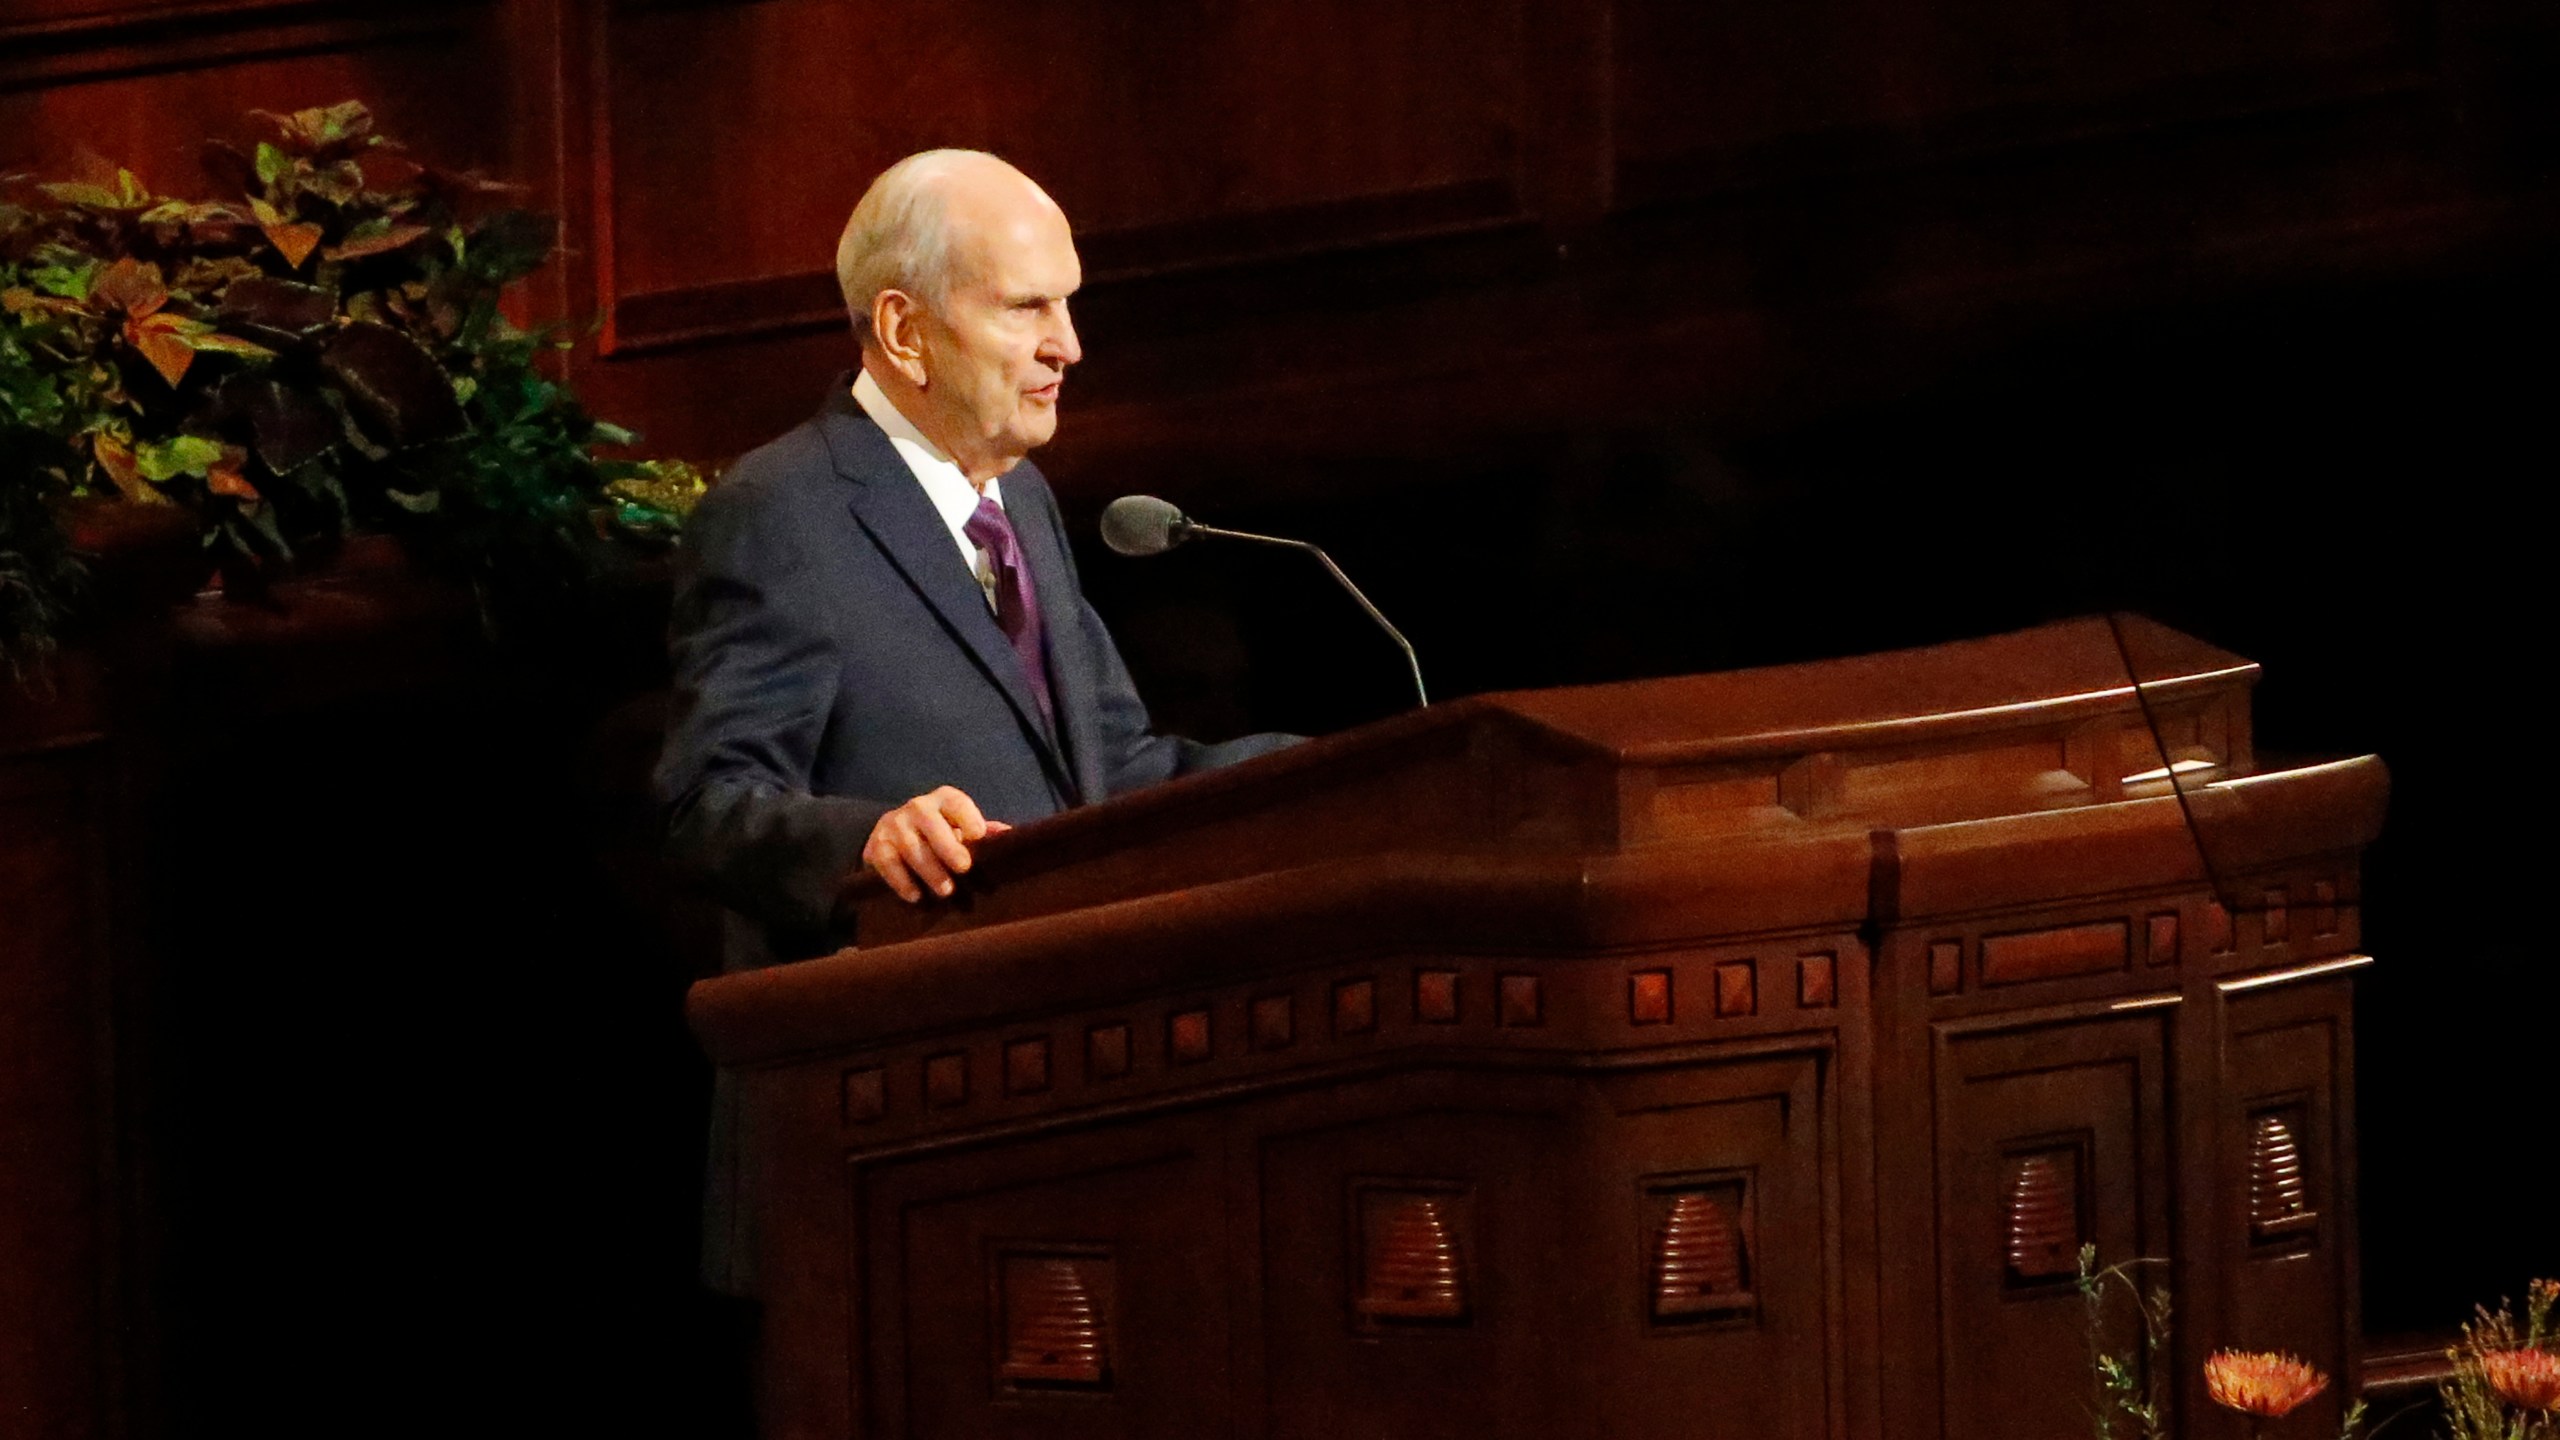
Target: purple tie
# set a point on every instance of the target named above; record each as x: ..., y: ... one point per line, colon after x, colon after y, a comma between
x: 1017, y: 604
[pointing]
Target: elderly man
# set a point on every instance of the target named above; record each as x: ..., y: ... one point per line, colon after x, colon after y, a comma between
x: 881, y: 648
x: 882, y: 653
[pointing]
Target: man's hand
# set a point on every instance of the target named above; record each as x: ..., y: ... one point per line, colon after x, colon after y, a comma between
x: 926, y: 841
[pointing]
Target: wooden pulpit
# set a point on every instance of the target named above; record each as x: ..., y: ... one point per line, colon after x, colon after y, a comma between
x: 1729, y: 1057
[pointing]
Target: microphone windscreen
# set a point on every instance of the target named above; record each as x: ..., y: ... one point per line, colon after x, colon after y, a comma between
x: 1142, y: 525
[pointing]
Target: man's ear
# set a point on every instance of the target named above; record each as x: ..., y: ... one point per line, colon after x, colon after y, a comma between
x: 897, y: 330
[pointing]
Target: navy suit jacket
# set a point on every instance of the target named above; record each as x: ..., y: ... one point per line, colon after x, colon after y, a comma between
x: 834, y: 657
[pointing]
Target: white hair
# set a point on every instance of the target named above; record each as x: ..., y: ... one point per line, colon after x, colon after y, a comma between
x: 899, y: 236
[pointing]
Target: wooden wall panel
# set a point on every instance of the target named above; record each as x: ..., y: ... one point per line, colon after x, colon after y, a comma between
x: 148, y: 98
x: 1322, y: 1190
x: 1139, y: 1221
x: 1700, y: 88
x: 58, y: 1209
x: 88, y: 21
x: 1173, y: 133
x: 2291, y: 1252
x: 2086, y: 1098
x: 1759, y: 1133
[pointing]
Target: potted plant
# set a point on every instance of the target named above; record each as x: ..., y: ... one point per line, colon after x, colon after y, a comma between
x: 320, y: 354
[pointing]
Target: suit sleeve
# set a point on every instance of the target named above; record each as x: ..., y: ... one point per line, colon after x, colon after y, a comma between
x: 755, y: 678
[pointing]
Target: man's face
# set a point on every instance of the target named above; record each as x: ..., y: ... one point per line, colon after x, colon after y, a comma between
x: 997, y: 347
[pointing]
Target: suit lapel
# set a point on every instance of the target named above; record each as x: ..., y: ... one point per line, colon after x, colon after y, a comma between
x: 1072, y: 667
x: 893, y: 509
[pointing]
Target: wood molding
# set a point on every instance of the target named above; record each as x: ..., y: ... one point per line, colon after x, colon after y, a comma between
x: 1854, y: 151
x: 138, y: 19
x: 51, y: 53
x: 808, y: 300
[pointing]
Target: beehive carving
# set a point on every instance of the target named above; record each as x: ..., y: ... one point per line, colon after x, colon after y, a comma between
x: 2043, y: 1214
x: 2279, y: 1190
x: 1054, y: 1332
x: 1413, y: 1269
x: 1699, y: 1262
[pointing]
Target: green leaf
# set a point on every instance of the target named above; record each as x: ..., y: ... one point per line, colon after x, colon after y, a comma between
x: 511, y: 244
x: 608, y: 433
x: 376, y: 236
x: 347, y: 117
x: 263, y: 520
x: 273, y: 163
x: 96, y: 197
x: 164, y: 460
x: 220, y: 344
x: 71, y: 281
x: 425, y: 503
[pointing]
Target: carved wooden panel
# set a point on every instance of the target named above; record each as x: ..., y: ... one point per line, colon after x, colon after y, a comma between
x: 1274, y: 1021
x: 1521, y: 999
x: 2160, y: 938
x: 1411, y: 1253
x: 2047, y: 1135
x: 1026, y: 1066
x: 1187, y: 1037
x: 2285, y: 1135
x: 1737, y: 988
x: 2280, y: 1210
x: 1946, y: 966
x: 1054, y: 1314
x: 1402, y: 117
x: 1355, y: 1007
x: 1106, y: 1049
x: 1702, y: 1253
x: 1060, y: 1286
x: 2056, y: 953
x: 1407, y: 1244
x: 1721, y: 1259
x: 1649, y: 997
x: 2043, y: 1220
x: 1817, y: 980
x: 1435, y: 996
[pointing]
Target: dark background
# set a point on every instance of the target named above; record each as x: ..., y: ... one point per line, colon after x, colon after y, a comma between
x: 1596, y: 338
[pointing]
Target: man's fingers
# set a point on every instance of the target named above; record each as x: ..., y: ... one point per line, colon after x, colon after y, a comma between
x: 954, y: 807
x: 920, y: 845
x: 882, y: 857
x: 921, y: 859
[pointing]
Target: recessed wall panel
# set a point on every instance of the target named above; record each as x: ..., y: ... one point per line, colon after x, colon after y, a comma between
x: 737, y: 136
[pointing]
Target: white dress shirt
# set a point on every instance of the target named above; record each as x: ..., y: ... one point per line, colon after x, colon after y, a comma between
x: 953, y: 497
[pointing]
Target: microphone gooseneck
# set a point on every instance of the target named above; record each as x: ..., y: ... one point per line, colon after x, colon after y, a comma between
x: 1145, y: 525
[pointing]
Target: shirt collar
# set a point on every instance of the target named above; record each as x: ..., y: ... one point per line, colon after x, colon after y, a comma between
x: 953, y: 497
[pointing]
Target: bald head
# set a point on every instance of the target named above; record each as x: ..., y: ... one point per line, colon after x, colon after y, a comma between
x: 957, y: 270
x: 921, y: 226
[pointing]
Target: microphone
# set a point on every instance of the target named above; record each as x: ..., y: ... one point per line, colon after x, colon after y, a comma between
x: 1145, y: 525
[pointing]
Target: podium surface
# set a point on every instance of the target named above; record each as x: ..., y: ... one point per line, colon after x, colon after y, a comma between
x: 1735, y: 1055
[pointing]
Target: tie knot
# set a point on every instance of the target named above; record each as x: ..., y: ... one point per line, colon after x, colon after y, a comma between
x: 989, y: 528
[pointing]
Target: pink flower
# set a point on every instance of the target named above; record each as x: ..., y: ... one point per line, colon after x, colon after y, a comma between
x: 2527, y: 1379
x: 2256, y: 1382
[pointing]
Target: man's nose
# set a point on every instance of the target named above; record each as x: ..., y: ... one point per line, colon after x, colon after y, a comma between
x: 1061, y: 348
